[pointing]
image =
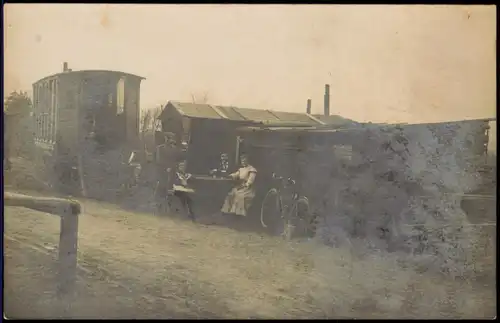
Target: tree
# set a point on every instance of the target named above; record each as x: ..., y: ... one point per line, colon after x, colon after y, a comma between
x: 18, y: 103
x: 18, y: 129
x: 145, y: 121
x: 149, y: 120
x: 199, y: 98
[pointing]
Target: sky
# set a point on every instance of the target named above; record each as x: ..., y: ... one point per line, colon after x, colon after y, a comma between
x: 383, y: 63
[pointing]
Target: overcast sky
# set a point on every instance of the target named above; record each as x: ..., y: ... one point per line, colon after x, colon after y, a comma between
x: 384, y: 63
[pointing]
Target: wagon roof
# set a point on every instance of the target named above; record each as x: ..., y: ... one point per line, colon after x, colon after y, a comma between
x: 295, y: 129
x: 347, y: 125
x: 336, y: 120
x: 269, y: 117
x: 89, y: 71
x: 435, y: 122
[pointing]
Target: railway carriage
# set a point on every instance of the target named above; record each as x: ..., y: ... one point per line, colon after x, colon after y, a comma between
x: 86, y: 124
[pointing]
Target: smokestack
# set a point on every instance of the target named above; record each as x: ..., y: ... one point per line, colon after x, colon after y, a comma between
x: 65, y: 66
x: 308, y: 110
x: 327, y: 100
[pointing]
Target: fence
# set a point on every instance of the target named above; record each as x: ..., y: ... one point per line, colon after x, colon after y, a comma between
x: 68, y: 211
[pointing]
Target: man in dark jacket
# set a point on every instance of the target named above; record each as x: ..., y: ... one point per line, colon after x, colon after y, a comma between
x: 167, y: 155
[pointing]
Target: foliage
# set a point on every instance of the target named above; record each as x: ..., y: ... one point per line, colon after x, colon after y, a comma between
x: 149, y: 117
x: 201, y: 98
x: 19, y: 126
x: 401, y: 195
x: 18, y: 103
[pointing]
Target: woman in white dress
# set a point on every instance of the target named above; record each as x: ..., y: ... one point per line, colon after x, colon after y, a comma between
x: 240, y: 198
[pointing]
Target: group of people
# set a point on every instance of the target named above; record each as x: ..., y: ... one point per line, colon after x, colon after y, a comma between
x: 175, y: 182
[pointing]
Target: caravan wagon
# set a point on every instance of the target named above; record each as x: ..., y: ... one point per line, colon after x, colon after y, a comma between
x: 86, y: 124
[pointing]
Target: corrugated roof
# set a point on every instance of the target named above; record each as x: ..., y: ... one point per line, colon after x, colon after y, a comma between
x: 207, y: 111
x: 303, y: 129
x: 232, y: 113
x: 192, y: 110
x: 336, y: 120
x: 295, y: 117
x: 258, y: 115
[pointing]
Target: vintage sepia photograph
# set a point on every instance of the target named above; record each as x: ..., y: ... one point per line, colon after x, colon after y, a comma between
x: 237, y: 161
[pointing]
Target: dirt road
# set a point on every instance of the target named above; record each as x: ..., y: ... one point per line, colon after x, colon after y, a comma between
x: 135, y: 265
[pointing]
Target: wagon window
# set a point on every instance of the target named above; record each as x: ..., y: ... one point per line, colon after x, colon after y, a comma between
x: 120, y: 96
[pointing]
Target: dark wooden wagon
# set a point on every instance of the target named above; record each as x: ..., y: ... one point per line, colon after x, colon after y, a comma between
x: 86, y: 124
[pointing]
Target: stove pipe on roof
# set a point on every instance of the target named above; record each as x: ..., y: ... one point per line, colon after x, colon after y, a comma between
x: 327, y: 100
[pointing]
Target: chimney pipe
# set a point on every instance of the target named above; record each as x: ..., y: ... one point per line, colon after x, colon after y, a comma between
x: 308, y: 111
x: 327, y: 100
x: 65, y: 66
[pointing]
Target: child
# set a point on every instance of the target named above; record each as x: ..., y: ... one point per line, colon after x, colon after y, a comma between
x: 223, y: 168
x: 224, y: 164
x: 133, y: 161
x: 181, y: 189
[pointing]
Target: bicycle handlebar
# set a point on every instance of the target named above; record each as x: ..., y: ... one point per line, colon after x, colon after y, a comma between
x: 288, y: 180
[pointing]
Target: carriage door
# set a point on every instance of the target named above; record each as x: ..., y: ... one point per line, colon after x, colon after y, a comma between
x: 121, y: 114
x: 120, y: 96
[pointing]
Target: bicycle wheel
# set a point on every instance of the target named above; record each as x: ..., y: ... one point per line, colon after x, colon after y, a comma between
x: 270, y: 209
x: 304, y: 220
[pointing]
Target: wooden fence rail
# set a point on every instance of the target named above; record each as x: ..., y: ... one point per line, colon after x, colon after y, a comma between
x: 68, y: 211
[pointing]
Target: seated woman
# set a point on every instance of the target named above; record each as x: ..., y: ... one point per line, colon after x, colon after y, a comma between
x: 240, y: 198
x: 182, y: 190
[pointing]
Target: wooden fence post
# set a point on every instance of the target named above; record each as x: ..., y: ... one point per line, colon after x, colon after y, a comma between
x: 68, y: 247
x: 68, y: 210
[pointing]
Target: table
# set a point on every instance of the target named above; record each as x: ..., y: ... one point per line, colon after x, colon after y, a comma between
x: 210, y: 178
x: 210, y: 191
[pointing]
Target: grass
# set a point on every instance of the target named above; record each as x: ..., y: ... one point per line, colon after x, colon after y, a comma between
x: 139, y: 266
x: 219, y: 272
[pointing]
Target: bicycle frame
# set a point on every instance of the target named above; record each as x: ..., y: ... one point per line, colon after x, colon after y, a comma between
x: 287, y: 207
x: 293, y: 195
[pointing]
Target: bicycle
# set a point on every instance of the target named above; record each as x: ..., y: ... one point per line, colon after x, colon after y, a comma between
x: 293, y: 209
x: 130, y: 181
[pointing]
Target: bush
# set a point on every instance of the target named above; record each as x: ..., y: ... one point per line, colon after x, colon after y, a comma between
x: 403, y: 194
x: 19, y: 127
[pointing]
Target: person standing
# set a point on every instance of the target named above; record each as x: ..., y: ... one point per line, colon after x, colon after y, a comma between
x: 136, y: 167
x: 167, y: 155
